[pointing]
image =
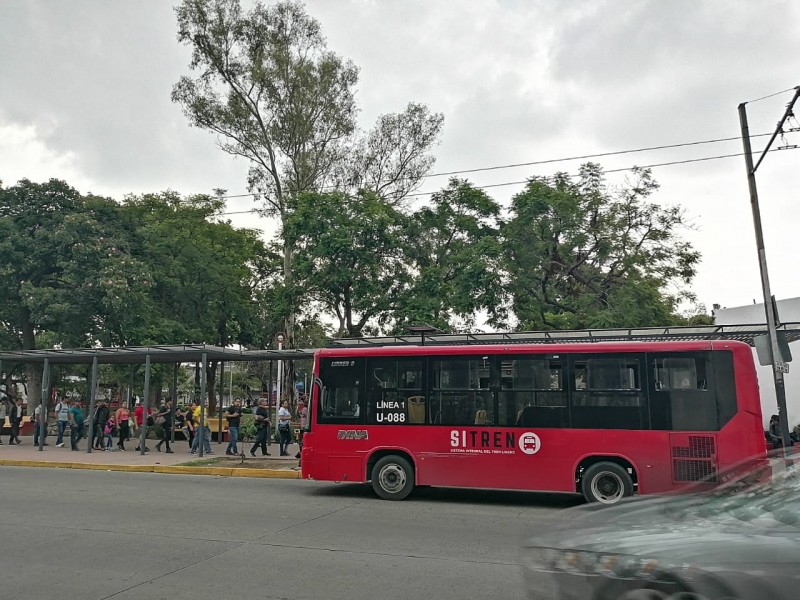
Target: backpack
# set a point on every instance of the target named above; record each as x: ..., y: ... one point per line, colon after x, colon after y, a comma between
x: 62, y: 411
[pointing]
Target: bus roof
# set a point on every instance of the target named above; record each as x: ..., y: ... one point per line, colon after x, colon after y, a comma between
x: 549, y: 349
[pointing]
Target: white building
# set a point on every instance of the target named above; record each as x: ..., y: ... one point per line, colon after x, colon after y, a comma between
x: 788, y: 312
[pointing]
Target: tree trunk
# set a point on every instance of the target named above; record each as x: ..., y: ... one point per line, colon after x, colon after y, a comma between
x: 33, y: 371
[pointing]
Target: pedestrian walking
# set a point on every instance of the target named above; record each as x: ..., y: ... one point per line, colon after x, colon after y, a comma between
x: 285, y: 427
x: 3, y: 413
x: 202, y: 431
x: 38, y: 428
x: 163, y: 419
x: 76, y: 429
x: 189, y: 425
x: 15, y: 417
x: 139, y: 419
x: 101, y: 414
x: 302, y: 412
x: 234, y: 416
x: 123, y: 419
x: 62, y: 420
x: 262, y: 428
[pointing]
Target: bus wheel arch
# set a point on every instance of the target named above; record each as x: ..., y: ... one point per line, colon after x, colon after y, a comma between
x: 392, y: 474
x: 605, y: 479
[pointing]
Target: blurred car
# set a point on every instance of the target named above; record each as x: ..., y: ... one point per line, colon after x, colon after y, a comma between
x: 740, y: 541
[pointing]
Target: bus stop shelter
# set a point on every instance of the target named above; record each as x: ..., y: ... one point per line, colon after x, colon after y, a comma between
x: 140, y: 355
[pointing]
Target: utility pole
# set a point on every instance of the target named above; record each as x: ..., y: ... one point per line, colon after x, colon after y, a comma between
x: 778, y: 366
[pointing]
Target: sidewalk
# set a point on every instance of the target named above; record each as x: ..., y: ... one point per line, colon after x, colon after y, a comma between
x: 28, y: 455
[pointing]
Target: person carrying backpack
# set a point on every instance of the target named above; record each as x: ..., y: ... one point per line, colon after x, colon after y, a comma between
x: 62, y: 419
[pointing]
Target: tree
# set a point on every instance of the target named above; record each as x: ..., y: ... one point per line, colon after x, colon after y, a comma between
x: 52, y: 240
x: 452, y: 253
x: 578, y: 255
x: 205, y: 276
x: 349, y: 253
x: 391, y: 159
x: 272, y: 91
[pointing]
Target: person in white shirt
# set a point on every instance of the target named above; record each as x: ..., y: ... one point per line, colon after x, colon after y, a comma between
x: 285, y: 427
x: 37, y: 427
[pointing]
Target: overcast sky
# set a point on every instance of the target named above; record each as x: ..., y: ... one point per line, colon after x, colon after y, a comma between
x: 85, y: 87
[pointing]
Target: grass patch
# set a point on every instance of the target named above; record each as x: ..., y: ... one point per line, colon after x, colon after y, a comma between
x: 213, y: 461
x: 235, y: 462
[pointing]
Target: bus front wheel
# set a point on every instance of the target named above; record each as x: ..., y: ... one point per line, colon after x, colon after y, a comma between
x: 393, y: 478
x: 606, y: 482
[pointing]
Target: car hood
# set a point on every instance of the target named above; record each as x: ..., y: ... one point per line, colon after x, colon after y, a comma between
x: 707, y: 544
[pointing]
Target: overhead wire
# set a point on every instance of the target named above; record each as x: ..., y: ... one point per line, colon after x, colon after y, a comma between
x: 522, y: 182
x: 770, y: 95
x: 561, y: 159
x: 553, y: 160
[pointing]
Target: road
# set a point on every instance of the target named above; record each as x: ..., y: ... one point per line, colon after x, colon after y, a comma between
x: 96, y: 535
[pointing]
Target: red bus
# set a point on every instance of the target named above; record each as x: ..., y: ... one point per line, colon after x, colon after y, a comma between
x: 605, y: 419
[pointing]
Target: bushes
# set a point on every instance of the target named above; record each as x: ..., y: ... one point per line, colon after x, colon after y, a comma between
x: 247, y: 427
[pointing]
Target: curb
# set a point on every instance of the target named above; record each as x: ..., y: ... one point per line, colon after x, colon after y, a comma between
x: 173, y: 469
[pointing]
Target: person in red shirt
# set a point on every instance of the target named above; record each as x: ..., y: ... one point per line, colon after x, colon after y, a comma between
x: 138, y: 416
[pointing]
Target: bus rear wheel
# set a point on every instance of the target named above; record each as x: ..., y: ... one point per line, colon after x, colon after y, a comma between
x: 606, y: 482
x: 392, y: 478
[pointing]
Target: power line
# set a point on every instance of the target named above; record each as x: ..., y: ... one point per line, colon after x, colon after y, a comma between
x: 770, y: 96
x: 556, y: 160
x: 587, y: 156
x: 619, y: 170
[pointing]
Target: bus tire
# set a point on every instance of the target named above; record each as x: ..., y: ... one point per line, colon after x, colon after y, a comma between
x: 392, y: 477
x: 606, y: 483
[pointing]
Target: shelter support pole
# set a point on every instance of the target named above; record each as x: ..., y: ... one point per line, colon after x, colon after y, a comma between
x: 174, y: 401
x: 92, y: 397
x: 130, y: 388
x: 45, y: 401
x: 201, y: 429
x: 270, y: 394
x: 145, y: 405
x: 219, y: 405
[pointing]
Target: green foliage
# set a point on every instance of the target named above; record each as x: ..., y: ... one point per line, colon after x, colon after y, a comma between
x: 452, y: 260
x: 579, y: 256
x: 348, y: 250
x: 247, y: 426
x: 51, y: 238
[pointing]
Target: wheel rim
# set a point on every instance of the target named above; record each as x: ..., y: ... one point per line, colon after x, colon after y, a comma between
x: 392, y: 478
x: 608, y: 487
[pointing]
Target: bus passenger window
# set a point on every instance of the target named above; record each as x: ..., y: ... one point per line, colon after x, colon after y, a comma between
x: 394, y: 387
x: 531, y: 392
x: 460, y: 392
x: 608, y: 393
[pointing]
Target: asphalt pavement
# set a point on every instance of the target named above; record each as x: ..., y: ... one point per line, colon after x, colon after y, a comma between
x: 95, y: 534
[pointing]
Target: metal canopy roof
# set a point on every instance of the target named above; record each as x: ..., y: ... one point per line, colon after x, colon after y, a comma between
x: 742, y: 333
x: 194, y: 352
x: 157, y: 354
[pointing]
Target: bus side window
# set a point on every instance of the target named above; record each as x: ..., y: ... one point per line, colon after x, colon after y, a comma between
x: 531, y: 393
